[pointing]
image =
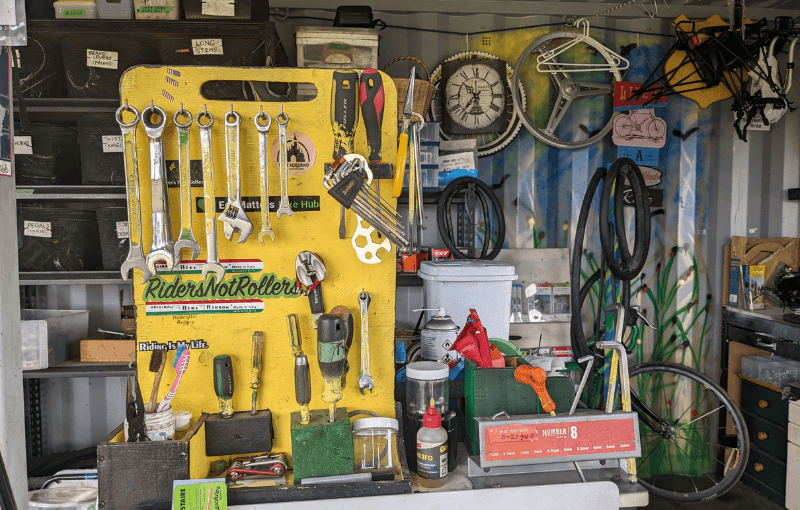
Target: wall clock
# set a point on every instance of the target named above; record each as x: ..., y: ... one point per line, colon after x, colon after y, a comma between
x: 474, y: 96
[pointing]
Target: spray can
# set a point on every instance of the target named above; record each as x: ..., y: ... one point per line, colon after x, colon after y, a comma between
x: 437, y: 336
x: 432, y: 449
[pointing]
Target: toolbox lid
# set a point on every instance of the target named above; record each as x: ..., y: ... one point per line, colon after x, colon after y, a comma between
x: 427, y: 371
x: 467, y: 270
x: 375, y: 423
x: 356, y: 35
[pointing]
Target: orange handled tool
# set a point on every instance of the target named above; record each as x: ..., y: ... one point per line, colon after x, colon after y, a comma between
x: 535, y: 377
x: 402, y: 142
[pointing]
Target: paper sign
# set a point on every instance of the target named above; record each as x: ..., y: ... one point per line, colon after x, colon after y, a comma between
x: 37, y: 228
x: 219, y: 8
x: 639, y: 128
x: 200, y: 496
x: 113, y: 143
x: 23, y: 145
x: 207, y: 46
x: 123, y: 231
x: 622, y: 97
x: 654, y: 195
x: 5, y: 168
x: 8, y: 14
x: 104, y: 59
x: 455, y: 161
x: 640, y: 155
x: 652, y: 176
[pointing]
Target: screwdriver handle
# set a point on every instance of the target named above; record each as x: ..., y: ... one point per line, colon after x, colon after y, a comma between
x: 255, y: 370
x: 293, y: 324
x: 372, y: 97
x: 400, y: 168
x: 344, y: 112
x: 331, y: 355
x: 223, y: 384
x: 302, y: 387
x: 535, y: 377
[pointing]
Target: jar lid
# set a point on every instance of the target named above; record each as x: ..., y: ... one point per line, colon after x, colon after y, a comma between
x: 427, y: 371
x: 375, y: 423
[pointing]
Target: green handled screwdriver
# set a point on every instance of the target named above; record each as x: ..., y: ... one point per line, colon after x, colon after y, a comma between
x: 223, y: 384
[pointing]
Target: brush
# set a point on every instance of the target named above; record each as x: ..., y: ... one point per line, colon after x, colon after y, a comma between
x: 157, y: 363
x: 181, y: 363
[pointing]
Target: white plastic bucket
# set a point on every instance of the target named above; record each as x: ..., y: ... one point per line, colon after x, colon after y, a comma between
x: 160, y: 426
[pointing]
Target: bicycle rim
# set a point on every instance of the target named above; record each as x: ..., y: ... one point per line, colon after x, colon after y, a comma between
x: 706, y: 448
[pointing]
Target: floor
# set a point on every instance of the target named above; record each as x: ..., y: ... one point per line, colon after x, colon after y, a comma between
x: 740, y: 497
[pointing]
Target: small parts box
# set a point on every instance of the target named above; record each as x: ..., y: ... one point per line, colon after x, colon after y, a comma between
x: 156, y: 9
x: 106, y: 348
x: 51, y: 336
x: 336, y: 48
x: 76, y: 10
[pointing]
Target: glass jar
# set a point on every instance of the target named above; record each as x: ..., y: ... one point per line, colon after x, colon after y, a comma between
x: 375, y: 443
x: 426, y: 380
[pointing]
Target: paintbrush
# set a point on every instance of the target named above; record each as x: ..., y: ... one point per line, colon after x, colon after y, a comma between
x: 158, y: 361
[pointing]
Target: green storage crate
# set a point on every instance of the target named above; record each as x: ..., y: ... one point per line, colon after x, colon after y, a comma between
x: 488, y: 391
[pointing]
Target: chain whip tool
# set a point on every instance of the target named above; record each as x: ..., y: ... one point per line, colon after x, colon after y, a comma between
x: 186, y: 238
x: 135, y: 259
x: 209, y: 198
x: 233, y: 217
x: 162, y: 248
x: 263, y: 158
x: 365, y: 380
x: 283, y: 208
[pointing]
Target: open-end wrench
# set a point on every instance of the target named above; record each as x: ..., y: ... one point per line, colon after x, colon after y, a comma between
x: 209, y: 198
x: 283, y: 121
x: 135, y: 258
x: 162, y: 249
x: 263, y: 122
x: 186, y: 238
x: 365, y: 380
x: 233, y: 217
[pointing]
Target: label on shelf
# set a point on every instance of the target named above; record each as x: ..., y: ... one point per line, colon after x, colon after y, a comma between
x: 218, y: 8
x: 104, y: 59
x: 23, y: 145
x: 113, y: 143
x: 123, y: 230
x: 207, y: 46
x: 5, y: 169
x: 37, y: 228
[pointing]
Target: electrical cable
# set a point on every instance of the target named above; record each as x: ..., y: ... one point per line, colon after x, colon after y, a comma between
x: 444, y: 222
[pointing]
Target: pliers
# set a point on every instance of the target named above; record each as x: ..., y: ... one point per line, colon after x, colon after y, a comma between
x: 134, y: 412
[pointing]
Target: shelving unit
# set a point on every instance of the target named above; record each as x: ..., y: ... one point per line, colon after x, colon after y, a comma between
x: 74, y: 368
x: 74, y: 192
x: 71, y: 278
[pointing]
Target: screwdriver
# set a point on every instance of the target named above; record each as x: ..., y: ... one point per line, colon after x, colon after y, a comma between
x: 293, y: 324
x: 535, y: 377
x: 302, y: 387
x: 255, y: 371
x: 331, y: 355
x: 223, y: 384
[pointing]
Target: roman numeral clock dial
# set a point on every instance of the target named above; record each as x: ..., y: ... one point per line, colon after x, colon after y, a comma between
x: 474, y: 96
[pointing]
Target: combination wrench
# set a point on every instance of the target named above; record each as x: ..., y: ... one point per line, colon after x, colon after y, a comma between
x: 162, y: 248
x: 186, y: 238
x: 365, y: 380
x: 283, y: 208
x: 233, y: 217
x: 263, y: 158
x: 209, y: 198
x: 135, y: 259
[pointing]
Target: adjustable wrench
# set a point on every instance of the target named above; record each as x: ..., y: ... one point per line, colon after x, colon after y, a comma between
x: 365, y: 380
x: 186, y: 238
x: 283, y: 208
x: 233, y: 217
x: 263, y: 158
x: 135, y: 258
x: 162, y: 249
x: 209, y: 198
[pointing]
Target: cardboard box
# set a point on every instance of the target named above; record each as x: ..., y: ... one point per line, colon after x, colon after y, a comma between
x: 107, y: 349
x: 759, y: 251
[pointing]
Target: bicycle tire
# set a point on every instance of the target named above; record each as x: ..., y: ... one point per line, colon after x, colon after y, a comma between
x: 443, y: 212
x: 729, y: 479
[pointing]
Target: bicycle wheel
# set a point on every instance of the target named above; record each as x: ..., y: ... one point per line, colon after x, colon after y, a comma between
x: 694, y: 440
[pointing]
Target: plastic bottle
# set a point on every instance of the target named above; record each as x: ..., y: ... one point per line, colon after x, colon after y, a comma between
x: 432, y: 449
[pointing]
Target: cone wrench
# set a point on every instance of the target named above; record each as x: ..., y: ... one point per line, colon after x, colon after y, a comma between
x: 162, y: 248
x: 186, y: 238
x: 209, y: 199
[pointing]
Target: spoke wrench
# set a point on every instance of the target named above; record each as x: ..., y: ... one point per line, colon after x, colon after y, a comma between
x: 135, y: 259
x: 310, y: 271
x: 209, y: 199
x: 186, y: 238
x: 283, y: 208
x: 365, y: 380
x: 233, y: 217
x: 162, y: 248
x: 263, y: 158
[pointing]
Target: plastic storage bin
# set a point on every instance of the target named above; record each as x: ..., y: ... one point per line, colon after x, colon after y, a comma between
x: 46, y: 154
x: 199, y: 9
x: 375, y: 444
x: 458, y: 285
x: 337, y: 48
x: 751, y: 365
x: 213, y: 51
x: 63, y: 498
x: 102, y: 151
x: 75, y: 10
x: 112, y: 225
x: 115, y: 9
x: 156, y: 9
x: 57, y: 239
x: 426, y: 380
x: 41, y: 69
x: 51, y: 336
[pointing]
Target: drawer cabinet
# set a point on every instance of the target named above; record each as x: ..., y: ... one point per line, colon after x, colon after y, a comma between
x: 767, y: 436
x: 764, y: 403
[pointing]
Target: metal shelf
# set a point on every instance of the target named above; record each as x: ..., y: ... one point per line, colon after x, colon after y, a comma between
x: 74, y: 192
x: 71, y: 278
x: 428, y: 197
x: 135, y: 27
x: 74, y: 368
x: 68, y: 105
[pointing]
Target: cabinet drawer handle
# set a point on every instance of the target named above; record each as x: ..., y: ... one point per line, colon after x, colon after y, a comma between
x: 767, y: 345
x: 758, y: 467
x: 762, y: 436
x: 763, y: 404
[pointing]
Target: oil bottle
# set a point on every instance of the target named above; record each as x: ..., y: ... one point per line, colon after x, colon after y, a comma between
x: 432, y: 449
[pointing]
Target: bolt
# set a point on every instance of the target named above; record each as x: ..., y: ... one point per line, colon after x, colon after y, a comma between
x: 184, y: 455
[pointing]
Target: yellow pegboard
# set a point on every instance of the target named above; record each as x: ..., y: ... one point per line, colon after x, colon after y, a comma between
x: 160, y: 320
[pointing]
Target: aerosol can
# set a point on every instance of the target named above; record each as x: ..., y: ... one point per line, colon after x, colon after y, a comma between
x: 437, y: 336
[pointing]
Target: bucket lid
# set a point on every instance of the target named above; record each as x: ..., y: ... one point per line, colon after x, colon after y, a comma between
x: 375, y: 423
x: 62, y: 497
x: 465, y: 270
x: 427, y: 371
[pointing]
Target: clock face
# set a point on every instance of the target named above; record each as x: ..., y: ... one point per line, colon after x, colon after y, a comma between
x: 474, y: 96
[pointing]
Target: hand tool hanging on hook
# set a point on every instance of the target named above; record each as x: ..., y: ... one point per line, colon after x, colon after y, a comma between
x: 402, y: 143
x: 263, y: 121
x: 209, y: 199
x: 233, y: 217
x: 416, y: 213
x: 135, y: 258
x: 365, y: 380
x: 310, y: 271
x: 344, y: 119
x: 331, y: 357
x: 162, y: 249
x: 302, y: 376
x: 283, y: 163
x: 186, y: 238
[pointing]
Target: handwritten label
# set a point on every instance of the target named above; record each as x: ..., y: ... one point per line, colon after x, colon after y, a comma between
x: 123, y: 230
x: 219, y: 8
x: 37, y: 228
x: 5, y: 168
x: 640, y: 155
x: 113, y: 143
x: 155, y: 9
x: 73, y: 13
x: 207, y: 46
x: 23, y: 145
x: 455, y: 161
x: 104, y: 59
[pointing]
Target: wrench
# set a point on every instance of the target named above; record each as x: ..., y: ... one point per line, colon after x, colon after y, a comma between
x: 162, y: 248
x: 263, y: 157
x: 365, y: 380
x: 135, y: 258
x: 186, y: 238
x: 212, y: 261
x: 283, y: 208
x: 233, y: 217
